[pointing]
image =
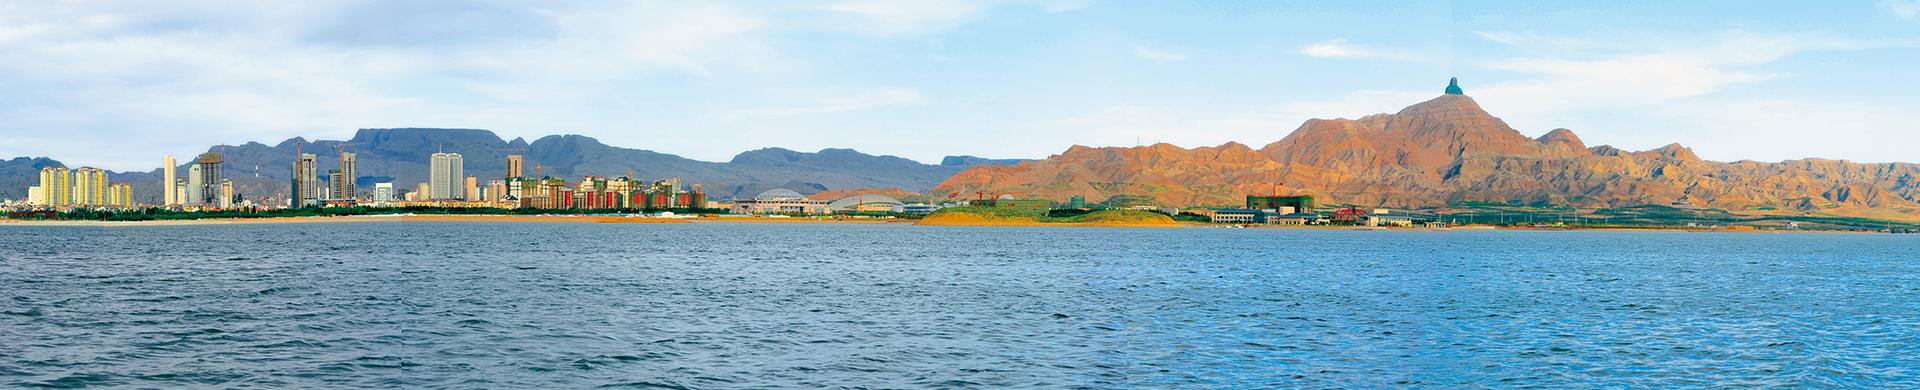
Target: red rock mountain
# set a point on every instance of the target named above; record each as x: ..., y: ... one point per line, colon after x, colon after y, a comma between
x: 1439, y: 152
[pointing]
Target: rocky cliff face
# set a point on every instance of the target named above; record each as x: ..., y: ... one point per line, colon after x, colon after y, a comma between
x: 1443, y: 151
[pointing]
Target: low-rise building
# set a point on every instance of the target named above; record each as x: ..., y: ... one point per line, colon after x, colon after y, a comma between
x: 1239, y: 216
x: 779, y: 200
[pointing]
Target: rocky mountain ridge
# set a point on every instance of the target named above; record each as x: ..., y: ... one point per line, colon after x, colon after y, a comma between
x: 1444, y: 151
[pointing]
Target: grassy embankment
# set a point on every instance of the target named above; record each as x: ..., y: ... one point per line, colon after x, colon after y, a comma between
x: 989, y: 216
x: 1650, y: 216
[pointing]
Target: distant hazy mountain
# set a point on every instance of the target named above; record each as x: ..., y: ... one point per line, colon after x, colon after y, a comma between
x: 401, y: 156
x: 22, y: 172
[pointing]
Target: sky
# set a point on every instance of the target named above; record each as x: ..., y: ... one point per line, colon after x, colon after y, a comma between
x: 118, y: 84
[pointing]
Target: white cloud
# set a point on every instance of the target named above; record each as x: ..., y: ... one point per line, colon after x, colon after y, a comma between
x: 184, y: 77
x: 1905, y: 9
x: 1669, y: 91
x: 1681, y: 69
x: 889, y: 97
x: 1157, y: 56
x: 908, y: 16
x: 1339, y: 48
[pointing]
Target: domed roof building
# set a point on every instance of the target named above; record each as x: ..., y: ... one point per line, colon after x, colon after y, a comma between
x: 780, y: 201
x: 779, y: 194
x: 866, y: 203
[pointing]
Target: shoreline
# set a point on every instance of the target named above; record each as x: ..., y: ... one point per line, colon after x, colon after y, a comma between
x: 448, y: 218
x: 860, y: 221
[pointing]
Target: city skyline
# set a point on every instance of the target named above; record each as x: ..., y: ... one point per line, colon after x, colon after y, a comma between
x: 928, y: 79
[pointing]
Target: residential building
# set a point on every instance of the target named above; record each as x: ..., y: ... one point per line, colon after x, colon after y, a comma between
x: 472, y: 189
x: 89, y: 187
x: 120, y: 194
x: 166, y: 182
x: 56, y: 186
x: 447, y: 170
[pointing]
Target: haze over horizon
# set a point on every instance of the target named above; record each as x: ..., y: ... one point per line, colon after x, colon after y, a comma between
x: 925, y: 79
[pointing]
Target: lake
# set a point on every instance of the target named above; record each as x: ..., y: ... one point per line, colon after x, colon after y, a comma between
x: 723, y: 306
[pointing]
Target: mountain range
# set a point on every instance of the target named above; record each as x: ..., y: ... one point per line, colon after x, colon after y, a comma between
x: 401, y: 156
x: 1444, y: 151
x: 1441, y: 152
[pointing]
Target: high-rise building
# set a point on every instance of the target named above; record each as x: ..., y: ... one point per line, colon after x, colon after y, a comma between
x: 306, y: 186
x: 226, y: 194
x: 473, y: 189
x: 166, y: 182
x: 334, y: 191
x: 516, y: 166
x: 425, y: 191
x: 382, y: 193
x: 209, y: 179
x: 89, y: 187
x: 194, y: 192
x: 56, y: 186
x: 119, y: 194
x: 179, y: 190
x: 496, y: 190
x: 445, y: 177
x: 344, y: 187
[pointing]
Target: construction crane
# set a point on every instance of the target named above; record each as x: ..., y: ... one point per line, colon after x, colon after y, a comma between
x: 342, y: 149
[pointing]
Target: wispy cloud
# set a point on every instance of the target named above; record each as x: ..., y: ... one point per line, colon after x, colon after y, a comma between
x: 908, y: 16
x: 1905, y: 9
x: 1340, y: 48
x: 1156, y: 55
x: 1680, y: 69
x: 1659, y: 89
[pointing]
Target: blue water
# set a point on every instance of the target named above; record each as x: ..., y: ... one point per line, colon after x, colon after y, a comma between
x: 710, y: 306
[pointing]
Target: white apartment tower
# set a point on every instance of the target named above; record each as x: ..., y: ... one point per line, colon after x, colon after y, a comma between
x: 167, y: 181
x: 445, y: 178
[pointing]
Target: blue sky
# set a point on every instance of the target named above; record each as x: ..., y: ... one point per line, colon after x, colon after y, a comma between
x: 925, y: 79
